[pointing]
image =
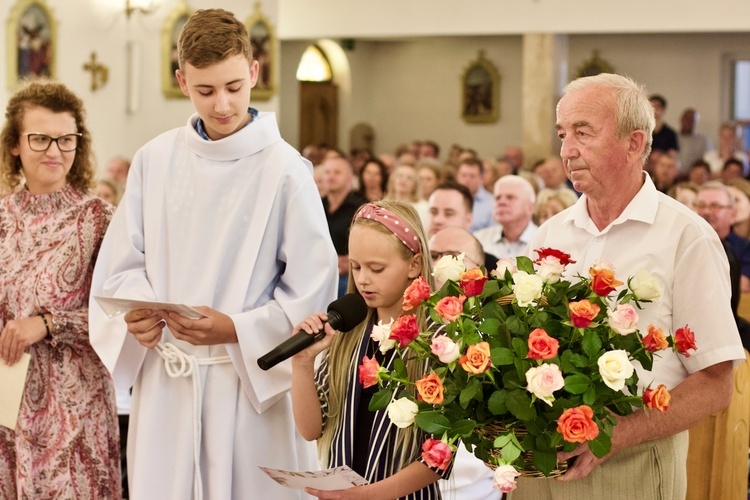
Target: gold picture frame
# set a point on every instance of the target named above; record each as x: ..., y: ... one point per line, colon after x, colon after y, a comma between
x: 480, y: 84
x: 31, y: 41
x: 263, y: 42
x: 594, y: 66
x: 169, y: 38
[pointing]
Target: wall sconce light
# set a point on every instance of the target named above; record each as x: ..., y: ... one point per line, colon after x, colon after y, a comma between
x: 142, y: 6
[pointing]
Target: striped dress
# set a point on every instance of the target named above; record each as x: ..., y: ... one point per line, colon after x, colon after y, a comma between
x: 382, y: 453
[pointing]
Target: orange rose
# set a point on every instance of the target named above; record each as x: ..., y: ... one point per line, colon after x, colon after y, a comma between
x: 577, y: 424
x: 655, y: 340
x: 477, y: 358
x: 684, y: 339
x: 416, y: 293
x: 472, y: 282
x: 450, y: 308
x: 404, y: 330
x: 368, y: 372
x: 541, y: 345
x: 582, y: 313
x: 657, y: 398
x: 604, y: 281
x: 430, y: 389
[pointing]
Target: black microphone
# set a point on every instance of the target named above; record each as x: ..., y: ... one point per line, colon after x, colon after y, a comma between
x: 343, y: 314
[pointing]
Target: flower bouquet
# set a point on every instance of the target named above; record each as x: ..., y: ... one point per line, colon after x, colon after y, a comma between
x: 525, y: 362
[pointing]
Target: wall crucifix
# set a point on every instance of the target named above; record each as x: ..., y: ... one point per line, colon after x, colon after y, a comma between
x: 99, y: 72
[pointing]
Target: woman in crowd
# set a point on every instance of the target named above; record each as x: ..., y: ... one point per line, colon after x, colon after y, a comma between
x: 428, y: 171
x: 373, y: 180
x: 66, y: 442
x: 109, y: 191
x: 403, y: 185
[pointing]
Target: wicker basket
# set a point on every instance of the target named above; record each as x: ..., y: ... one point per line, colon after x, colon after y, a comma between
x: 492, y: 430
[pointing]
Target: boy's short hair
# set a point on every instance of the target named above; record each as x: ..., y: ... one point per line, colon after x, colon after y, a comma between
x: 211, y: 36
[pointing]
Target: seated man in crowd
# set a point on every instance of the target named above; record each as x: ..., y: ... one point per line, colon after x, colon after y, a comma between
x: 513, y: 209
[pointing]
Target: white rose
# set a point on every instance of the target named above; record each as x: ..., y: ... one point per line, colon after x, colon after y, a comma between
x: 615, y: 368
x: 402, y: 412
x: 543, y: 380
x: 550, y: 269
x: 449, y: 268
x: 504, y: 264
x: 381, y: 333
x: 603, y: 264
x: 644, y: 286
x: 504, y: 479
x: 624, y: 319
x: 527, y: 288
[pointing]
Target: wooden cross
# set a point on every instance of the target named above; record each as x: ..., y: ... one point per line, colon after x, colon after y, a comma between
x: 99, y: 72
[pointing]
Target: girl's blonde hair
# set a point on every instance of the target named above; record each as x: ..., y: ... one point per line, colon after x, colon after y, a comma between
x: 340, y: 351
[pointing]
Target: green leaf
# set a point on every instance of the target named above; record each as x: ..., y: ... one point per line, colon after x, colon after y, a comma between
x: 496, y: 403
x: 519, y: 347
x: 589, y: 397
x: 519, y: 404
x: 516, y: 325
x: 381, y: 399
x: 502, y: 356
x: 592, y: 344
x: 510, y: 452
x: 577, y: 384
x: 464, y: 427
x: 578, y: 361
x: 503, y: 440
x: 433, y: 422
x: 601, y: 445
x: 490, y: 326
x: 525, y: 264
x: 473, y: 387
x: 544, y: 461
x: 566, y: 364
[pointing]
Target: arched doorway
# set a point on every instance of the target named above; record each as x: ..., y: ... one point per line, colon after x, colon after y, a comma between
x: 318, y: 117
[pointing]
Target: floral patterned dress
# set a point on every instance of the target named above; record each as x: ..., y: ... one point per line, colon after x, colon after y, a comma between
x: 66, y: 442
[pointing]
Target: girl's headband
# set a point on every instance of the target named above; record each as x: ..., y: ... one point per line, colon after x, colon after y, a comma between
x: 393, y: 222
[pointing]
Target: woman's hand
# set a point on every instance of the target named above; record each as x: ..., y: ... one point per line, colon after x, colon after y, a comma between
x: 18, y: 334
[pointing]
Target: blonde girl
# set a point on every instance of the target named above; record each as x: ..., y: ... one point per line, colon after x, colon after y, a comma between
x: 387, y: 251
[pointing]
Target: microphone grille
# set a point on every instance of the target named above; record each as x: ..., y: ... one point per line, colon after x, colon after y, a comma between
x: 352, y: 309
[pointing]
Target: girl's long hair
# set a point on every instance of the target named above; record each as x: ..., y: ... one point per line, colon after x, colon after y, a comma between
x: 343, y: 345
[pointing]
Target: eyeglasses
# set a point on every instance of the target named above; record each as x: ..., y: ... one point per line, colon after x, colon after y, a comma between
x: 714, y: 207
x: 41, y: 142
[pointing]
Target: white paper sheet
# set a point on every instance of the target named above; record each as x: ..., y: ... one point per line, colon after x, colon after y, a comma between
x: 338, y: 478
x: 11, y: 390
x: 114, y: 307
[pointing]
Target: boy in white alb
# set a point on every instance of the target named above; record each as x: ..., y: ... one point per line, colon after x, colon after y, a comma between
x: 220, y: 214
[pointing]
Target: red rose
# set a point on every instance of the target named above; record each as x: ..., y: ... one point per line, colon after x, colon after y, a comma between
x: 477, y: 358
x: 404, y: 330
x: 563, y: 257
x: 368, y: 372
x: 684, y: 339
x: 416, y: 293
x: 437, y: 453
x: 577, y: 424
x: 604, y: 281
x: 657, y: 398
x: 582, y: 313
x: 430, y: 389
x: 472, y: 282
x: 450, y: 308
x: 655, y: 340
x: 541, y: 345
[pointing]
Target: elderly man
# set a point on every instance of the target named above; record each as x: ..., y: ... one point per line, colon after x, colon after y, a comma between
x: 715, y: 203
x: 605, y: 123
x: 512, y: 210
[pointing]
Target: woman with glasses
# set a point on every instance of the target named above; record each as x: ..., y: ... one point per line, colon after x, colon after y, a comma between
x: 65, y: 443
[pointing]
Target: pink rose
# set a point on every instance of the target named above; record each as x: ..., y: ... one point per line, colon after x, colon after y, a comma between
x: 504, y: 264
x: 368, y: 372
x: 445, y: 349
x: 450, y: 308
x: 543, y: 380
x: 624, y: 319
x: 437, y: 453
x: 504, y: 479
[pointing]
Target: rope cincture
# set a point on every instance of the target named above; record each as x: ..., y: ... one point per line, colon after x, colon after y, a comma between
x: 180, y: 364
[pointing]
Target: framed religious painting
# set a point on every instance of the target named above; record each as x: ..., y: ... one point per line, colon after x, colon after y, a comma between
x: 480, y: 84
x: 594, y: 66
x: 263, y: 43
x: 31, y: 42
x: 169, y: 37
